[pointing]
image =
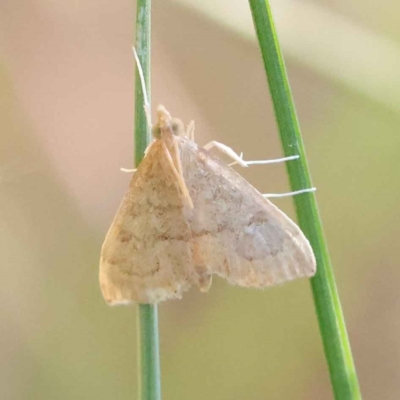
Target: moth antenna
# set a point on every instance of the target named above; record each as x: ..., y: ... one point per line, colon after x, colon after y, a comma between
x: 178, y: 159
x: 179, y: 178
x: 144, y: 90
x: 179, y: 169
x: 190, y: 131
x: 296, y: 192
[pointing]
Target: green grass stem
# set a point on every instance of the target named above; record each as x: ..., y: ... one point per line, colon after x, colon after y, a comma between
x: 143, y: 50
x: 149, y: 355
x: 328, y: 309
x: 149, y: 385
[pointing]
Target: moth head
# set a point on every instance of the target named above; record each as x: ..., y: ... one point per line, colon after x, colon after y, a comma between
x: 177, y: 127
x: 165, y: 123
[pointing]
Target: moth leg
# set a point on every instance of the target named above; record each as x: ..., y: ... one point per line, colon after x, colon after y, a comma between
x: 179, y: 178
x: 227, y: 150
x: 262, y: 162
x: 277, y: 195
x: 127, y: 170
x: 190, y: 131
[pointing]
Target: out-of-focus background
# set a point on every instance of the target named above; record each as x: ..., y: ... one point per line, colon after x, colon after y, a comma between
x: 66, y: 118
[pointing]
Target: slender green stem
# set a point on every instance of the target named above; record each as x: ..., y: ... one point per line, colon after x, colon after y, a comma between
x: 147, y: 317
x: 329, y: 313
x: 149, y: 357
x: 143, y: 49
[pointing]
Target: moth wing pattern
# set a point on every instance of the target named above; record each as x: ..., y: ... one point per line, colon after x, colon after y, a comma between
x: 146, y: 256
x: 157, y: 247
x: 236, y: 232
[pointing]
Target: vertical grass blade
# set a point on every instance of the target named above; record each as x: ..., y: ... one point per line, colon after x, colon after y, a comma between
x: 149, y: 385
x: 148, y: 350
x: 143, y: 49
x: 329, y: 313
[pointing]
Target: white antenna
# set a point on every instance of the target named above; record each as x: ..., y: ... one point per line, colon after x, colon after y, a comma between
x: 143, y: 84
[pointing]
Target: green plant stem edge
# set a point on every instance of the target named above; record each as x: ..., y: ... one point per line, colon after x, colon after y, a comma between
x: 149, y: 381
x: 328, y: 309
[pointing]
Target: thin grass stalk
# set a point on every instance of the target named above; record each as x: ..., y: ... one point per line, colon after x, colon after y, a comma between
x: 149, y: 385
x: 328, y: 309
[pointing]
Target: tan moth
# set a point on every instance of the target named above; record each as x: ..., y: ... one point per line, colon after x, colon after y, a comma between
x: 188, y: 216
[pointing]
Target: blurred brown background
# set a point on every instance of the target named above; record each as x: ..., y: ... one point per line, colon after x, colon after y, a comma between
x: 66, y: 106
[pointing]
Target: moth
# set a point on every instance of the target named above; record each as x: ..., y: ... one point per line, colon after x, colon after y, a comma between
x: 188, y: 216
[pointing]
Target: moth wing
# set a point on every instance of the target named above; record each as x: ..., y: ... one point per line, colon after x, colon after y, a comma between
x: 146, y: 256
x: 237, y: 233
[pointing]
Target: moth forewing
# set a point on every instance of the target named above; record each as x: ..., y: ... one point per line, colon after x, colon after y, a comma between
x: 146, y: 256
x: 239, y: 234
